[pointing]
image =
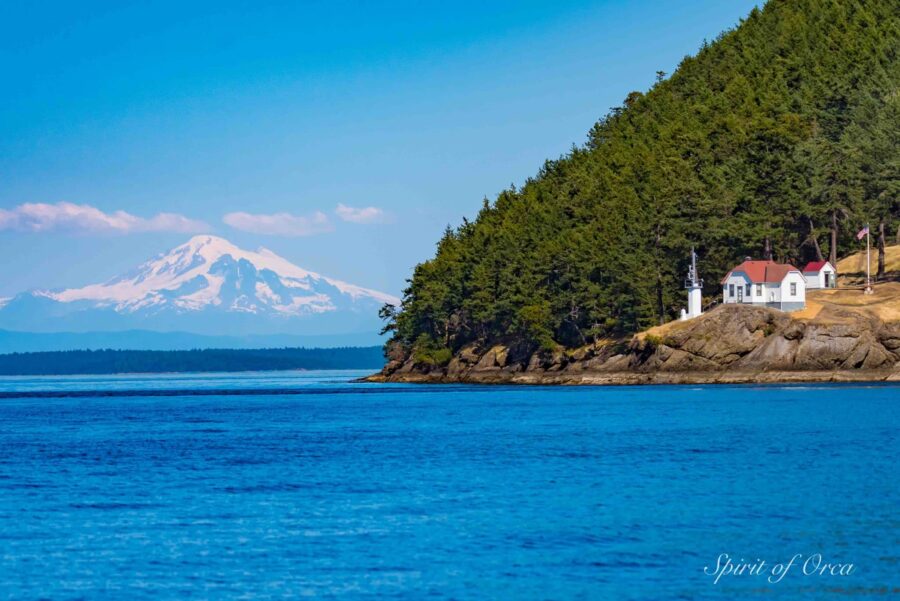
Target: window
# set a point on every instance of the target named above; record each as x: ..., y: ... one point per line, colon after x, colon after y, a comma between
x: 793, y: 289
x: 747, y: 291
x: 759, y: 290
x: 730, y: 289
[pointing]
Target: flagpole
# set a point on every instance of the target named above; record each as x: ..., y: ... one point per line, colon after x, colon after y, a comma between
x: 868, y: 263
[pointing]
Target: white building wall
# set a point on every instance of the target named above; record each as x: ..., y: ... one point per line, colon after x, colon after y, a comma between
x: 740, y: 279
x: 775, y: 295
x: 730, y: 290
x: 759, y: 294
x: 817, y: 280
x: 791, y: 302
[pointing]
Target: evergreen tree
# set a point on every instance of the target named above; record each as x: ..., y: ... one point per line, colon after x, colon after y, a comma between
x: 778, y: 137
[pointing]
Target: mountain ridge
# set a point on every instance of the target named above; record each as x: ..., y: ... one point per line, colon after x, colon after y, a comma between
x: 212, y: 249
x: 206, y: 285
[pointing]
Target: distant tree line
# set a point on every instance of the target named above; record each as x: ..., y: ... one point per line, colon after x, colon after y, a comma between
x: 206, y: 360
x: 780, y: 139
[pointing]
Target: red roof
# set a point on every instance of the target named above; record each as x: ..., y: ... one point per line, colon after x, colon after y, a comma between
x: 814, y: 266
x: 763, y: 272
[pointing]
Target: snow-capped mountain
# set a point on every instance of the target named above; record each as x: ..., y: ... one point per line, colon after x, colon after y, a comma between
x: 206, y: 285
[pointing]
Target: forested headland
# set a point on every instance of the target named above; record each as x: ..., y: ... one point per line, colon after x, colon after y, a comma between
x: 201, y: 360
x: 780, y: 138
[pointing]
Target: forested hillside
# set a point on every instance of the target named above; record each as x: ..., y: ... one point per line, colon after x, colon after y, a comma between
x: 781, y: 137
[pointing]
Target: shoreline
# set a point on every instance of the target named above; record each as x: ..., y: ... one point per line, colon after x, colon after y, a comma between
x: 841, y: 336
x: 642, y: 378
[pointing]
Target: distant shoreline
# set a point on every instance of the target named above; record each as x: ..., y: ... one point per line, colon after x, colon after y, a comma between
x: 131, y: 362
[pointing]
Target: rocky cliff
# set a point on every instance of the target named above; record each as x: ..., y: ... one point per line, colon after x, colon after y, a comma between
x: 841, y: 335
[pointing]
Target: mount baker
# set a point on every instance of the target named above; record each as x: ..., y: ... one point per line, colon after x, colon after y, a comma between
x: 205, y: 286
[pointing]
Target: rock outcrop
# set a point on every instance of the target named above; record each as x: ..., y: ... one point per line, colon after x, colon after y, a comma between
x: 732, y: 343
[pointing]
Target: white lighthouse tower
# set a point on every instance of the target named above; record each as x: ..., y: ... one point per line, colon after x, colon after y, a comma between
x: 693, y: 284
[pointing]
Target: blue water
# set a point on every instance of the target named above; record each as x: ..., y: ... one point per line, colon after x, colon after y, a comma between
x: 343, y: 490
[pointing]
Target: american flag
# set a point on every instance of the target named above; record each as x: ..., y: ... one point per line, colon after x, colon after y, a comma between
x: 863, y: 232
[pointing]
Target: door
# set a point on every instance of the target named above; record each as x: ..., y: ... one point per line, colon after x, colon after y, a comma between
x: 740, y: 292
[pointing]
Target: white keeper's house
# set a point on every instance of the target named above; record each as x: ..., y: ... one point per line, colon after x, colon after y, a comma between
x: 820, y: 274
x: 765, y: 284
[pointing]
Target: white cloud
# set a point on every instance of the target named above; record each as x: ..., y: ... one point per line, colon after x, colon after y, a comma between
x: 280, y: 224
x: 66, y: 216
x: 360, y: 215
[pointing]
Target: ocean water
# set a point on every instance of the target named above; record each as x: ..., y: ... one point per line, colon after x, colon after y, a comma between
x: 307, y: 484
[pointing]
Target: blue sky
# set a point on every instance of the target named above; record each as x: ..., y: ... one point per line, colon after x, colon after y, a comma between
x: 343, y: 136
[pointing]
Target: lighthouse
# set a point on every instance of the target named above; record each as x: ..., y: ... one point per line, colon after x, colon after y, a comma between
x: 693, y: 284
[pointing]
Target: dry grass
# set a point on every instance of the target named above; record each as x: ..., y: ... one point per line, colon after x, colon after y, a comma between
x: 811, y: 311
x: 884, y: 303
x: 825, y: 306
x: 663, y: 330
x: 856, y: 263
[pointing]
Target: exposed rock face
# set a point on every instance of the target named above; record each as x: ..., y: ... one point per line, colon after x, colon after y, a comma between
x: 731, y: 343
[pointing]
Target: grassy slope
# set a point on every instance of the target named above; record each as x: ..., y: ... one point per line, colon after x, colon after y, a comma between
x: 856, y: 263
x: 828, y: 307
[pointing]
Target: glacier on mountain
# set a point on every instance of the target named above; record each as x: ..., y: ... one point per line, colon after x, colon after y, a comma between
x: 207, y: 285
